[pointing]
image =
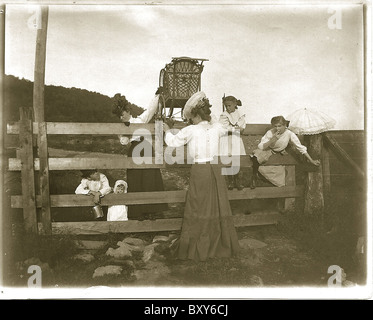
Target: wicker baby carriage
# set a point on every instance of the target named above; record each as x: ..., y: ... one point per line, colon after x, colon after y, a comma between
x: 178, y: 81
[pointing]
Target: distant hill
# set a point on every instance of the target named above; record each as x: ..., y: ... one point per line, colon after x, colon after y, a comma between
x: 61, y: 104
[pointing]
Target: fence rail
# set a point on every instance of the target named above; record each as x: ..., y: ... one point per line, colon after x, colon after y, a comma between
x: 32, y: 200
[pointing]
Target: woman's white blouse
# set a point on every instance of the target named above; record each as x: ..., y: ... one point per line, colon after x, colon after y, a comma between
x: 89, y: 185
x: 202, y: 139
x: 145, y: 117
x: 283, y: 141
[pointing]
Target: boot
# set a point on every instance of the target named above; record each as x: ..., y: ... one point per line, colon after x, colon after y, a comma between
x: 230, y: 182
x: 253, y: 180
x: 238, y: 181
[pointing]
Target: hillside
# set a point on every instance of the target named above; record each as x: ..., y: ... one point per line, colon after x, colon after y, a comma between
x: 61, y: 104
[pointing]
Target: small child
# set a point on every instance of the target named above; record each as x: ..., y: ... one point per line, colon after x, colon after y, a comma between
x: 94, y: 183
x: 275, y: 141
x: 231, y: 144
x: 118, y: 212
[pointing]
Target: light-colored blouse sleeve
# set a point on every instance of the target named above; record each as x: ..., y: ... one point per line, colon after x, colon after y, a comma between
x: 82, y: 187
x: 179, y: 139
x: 105, y: 187
x: 242, y: 122
x: 295, y: 141
x: 265, y: 139
x: 148, y: 114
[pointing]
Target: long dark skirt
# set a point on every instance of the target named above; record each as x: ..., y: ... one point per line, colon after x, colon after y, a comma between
x: 144, y: 180
x: 207, y: 230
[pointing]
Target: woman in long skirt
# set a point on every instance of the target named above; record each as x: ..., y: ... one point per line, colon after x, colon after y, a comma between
x: 207, y: 230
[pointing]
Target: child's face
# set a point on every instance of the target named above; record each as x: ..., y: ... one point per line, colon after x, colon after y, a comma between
x: 95, y: 176
x: 230, y: 106
x: 120, y: 188
x: 279, y: 127
x: 125, y: 116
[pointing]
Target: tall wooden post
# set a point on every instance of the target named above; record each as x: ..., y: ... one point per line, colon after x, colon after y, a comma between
x: 38, y: 104
x: 27, y: 171
x: 314, y: 197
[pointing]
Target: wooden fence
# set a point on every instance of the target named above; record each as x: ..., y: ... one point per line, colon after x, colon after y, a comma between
x: 38, y: 167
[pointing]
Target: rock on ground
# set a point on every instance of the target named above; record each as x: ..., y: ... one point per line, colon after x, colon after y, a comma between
x: 149, y: 252
x: 130, y: 247
x: 160, y: 239
x: 120, y: 253
x: 134, y: 241
x: 84, y: 257
x: 107, y: 270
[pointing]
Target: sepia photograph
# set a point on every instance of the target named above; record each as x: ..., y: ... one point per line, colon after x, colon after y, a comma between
x: 183, y: 149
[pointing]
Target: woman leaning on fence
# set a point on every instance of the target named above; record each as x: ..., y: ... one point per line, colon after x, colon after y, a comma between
x: 207, y: 230
x: 139, y: 180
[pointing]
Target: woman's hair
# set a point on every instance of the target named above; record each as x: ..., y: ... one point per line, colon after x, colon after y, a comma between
x: 202, y: 109
x: 87, y: 173
x: 120, y: 104
x: 280, y: 119
x: 233, y: 99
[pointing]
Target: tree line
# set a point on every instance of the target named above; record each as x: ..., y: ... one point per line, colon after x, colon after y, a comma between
x: 61, y: 104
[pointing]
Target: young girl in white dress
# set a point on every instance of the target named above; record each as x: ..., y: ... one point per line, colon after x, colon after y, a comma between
x: 118, y: 212
x: 93, y: 183
x: 231, y: 144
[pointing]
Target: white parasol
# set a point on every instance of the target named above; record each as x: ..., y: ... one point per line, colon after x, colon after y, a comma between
x: 309, y: 121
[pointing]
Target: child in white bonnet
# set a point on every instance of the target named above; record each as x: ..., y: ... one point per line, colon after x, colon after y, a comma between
x: 118, y: 212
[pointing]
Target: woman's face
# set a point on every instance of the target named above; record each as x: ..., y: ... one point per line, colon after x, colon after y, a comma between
x: 279, y: 127
x: 125, y: 116
x: 230, y: 106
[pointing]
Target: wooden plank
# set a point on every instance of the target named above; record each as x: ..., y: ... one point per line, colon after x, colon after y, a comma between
x: 174, y: 196
x: 101, y: 128
x: 132, y: 226
x: 27, y: 171
x: 290, y: 181
x: 122, y: 162
x: 342, y: 154
x: 90, y: 128
x: 44, y: 179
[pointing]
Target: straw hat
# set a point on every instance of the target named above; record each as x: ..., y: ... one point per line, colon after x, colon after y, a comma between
x: 192, y: 102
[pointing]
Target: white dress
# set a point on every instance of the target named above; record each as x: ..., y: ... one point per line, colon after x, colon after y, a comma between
x: 89, y: 185
x: 232, y: 144
x: 118, y: 212
x: 276, y: 174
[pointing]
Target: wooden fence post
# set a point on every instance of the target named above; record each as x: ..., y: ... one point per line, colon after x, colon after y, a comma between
x: 38, y: 104
x: 314, y: 193
x: 290, y: 181
x: 44, y: 179
x: 27, y: 171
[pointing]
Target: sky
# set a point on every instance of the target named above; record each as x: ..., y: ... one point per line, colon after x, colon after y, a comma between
x: 275, y: 59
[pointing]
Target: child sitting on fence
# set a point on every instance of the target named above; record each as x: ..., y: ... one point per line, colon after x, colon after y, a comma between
x: 275, y: 141
x: 118, y: 212
x: 94, y: 183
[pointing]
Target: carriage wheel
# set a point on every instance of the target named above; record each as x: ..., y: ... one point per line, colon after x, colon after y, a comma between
x: 161, y: 111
